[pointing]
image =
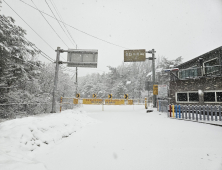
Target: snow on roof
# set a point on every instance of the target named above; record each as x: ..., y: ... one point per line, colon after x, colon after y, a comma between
x: 128, y: 82
x: 158, y: 70
x: 149, y: 74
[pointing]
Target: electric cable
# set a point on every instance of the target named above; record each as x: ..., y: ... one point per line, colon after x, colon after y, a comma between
x: 59, y: 22
x: 50, y: 24
x: 42, y: 53
x: 76, y: 28
x: 60, y: 16
x: 27, y: 24
x: 37, y: 49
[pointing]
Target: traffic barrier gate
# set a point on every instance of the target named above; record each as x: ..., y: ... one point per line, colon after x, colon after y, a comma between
x: 94, y: 101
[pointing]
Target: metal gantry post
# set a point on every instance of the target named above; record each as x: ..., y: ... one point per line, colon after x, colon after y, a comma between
x: 55, y: 81
x: 153, y: 66
x: 153, y: 72
x: 76, y: 80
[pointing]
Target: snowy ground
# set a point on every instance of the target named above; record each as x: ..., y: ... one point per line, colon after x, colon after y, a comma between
x: 21, y: 139
x: 121, y: 137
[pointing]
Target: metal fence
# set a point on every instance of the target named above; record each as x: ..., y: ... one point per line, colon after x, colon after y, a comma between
x: 205, y: 113
x: 162, y: 105
x: 15, y: 110
x: 191, y: 112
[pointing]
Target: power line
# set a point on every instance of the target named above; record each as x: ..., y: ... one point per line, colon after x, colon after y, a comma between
x: 43, y: 54
x: 31, y: 45
x: 28, y: 24
x: 50, y: 25
x: 54, y: 6
x: 37, y: 49
x: 21, y: 38
x: 60, y: 16
x: 46, y: 56
x: 77, y: 28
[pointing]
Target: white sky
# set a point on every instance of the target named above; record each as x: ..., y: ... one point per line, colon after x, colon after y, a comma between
x: 173, y: 28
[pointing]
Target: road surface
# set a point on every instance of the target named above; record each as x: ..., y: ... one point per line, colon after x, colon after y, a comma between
x: 128, y: 138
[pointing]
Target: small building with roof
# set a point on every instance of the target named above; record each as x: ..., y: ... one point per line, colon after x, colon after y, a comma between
x: 198, y: 81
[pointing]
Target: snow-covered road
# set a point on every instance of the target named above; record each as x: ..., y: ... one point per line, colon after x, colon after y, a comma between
x: 119, y: 138
x: 132, y: 139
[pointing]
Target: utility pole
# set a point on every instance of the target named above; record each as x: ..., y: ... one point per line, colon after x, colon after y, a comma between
x: 55, y: 81
x: 76, y: 77
x: 76, y: 80
x: 153, y: 71
x: 154, y: 75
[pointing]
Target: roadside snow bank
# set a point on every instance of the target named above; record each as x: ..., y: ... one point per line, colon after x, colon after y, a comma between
x: 19, y: 137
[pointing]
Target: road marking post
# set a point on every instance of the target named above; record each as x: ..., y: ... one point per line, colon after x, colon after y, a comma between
x: 60, y: 104
x: 215, y: 111
x: 145, y: 103
x: 219, y: 113
x: 176, y: 110
x: 170, y: 110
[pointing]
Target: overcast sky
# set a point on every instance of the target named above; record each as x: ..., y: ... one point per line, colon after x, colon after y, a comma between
x: 174, y: 28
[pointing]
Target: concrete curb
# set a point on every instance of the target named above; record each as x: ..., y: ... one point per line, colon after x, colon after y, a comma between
x: 215, y: 123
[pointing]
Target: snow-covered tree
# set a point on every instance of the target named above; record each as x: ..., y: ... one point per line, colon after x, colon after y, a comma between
x: 14, y: 48
x: 23, y: 79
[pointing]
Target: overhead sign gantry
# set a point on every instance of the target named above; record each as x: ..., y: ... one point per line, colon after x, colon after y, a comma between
x: 75, y: 58
x: 138, y: 56
x: 82, y: 58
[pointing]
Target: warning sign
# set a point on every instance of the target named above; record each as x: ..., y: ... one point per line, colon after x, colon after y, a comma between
x: 114, y: 102
x: 130, y: 102
x: 92, y: 101
x: 155, y: 89
x: 75, y: 101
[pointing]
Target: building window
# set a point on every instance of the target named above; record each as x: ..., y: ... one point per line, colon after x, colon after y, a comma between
x: 193, y: 97
x: 209, y: 96
x: 188, y: 73
x: 193, y: 72
x: 188, y: 97
x: 181, y: 96
x: 211, y: 67
x: 219, y: 96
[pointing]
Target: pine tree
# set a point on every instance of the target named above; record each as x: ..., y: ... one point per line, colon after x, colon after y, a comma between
x: 14, y: 51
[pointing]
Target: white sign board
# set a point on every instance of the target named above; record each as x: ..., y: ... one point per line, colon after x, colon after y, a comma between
x: 82, y: 58
x: 162, y: 91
